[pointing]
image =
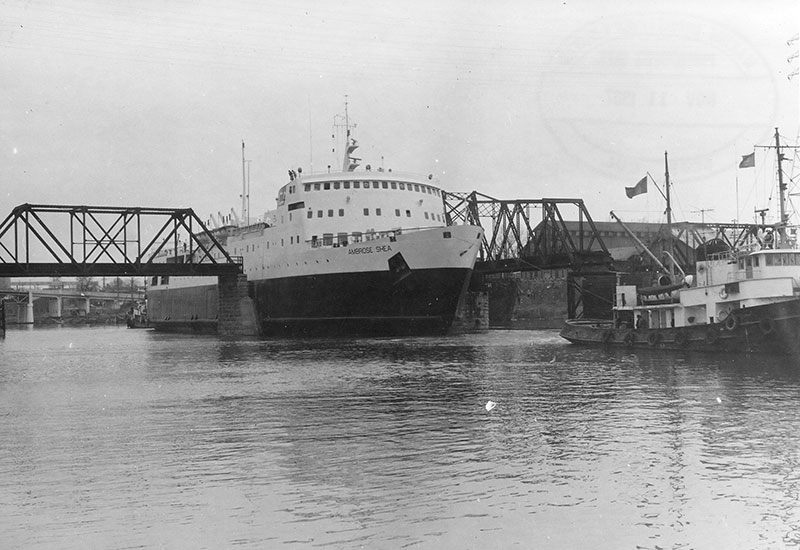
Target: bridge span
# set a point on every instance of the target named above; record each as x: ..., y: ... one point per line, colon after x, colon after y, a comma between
x: 38, y: 240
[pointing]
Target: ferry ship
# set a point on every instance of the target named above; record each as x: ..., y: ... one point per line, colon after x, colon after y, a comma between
x: 356, y: 251
x: 738, y: 300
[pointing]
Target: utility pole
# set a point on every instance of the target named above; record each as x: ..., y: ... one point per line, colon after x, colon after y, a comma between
x: 702, y: 213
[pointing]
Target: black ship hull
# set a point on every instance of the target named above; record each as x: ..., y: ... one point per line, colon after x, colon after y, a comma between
x: 421, y: 302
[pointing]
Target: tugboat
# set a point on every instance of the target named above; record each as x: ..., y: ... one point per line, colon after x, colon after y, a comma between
x: 742, y: 301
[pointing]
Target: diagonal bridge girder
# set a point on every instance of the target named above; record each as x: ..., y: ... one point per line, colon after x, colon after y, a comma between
x: 515, y: 240
x: 38, y: 240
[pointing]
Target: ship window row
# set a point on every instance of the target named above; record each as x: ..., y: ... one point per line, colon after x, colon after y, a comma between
x: 357, y: 184
x: 784, y: 258
x: 376, y: 211
x: 343, y: 239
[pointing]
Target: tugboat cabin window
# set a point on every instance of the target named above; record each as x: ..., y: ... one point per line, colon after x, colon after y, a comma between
x: 356, y: 184
x: 346, y: 185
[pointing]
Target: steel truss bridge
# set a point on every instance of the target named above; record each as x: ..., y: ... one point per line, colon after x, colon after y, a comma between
x: 529, y: 234
x: 108, y: 241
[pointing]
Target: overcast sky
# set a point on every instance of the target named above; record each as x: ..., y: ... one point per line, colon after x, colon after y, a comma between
x: 146, y: 103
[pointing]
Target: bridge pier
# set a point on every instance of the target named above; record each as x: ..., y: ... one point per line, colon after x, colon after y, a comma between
x: 29, y: 309
x: 472, y: 314
x: 237, y: 313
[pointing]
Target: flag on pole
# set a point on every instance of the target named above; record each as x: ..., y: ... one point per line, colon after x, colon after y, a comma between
x: 638, y: 189
x: 748, y: 161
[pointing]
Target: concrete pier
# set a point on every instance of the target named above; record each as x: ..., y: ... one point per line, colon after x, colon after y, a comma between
x: 472, y: 314
x: 237, y: 313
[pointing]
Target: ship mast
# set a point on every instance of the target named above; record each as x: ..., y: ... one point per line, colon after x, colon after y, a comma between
x: 781, y: 191
x: 669, y: 220
x: 348, y: 163
x: 245, y: 213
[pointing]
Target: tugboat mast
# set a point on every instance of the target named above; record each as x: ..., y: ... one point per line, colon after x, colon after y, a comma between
x: 781, y: 190
x: 669, y: 220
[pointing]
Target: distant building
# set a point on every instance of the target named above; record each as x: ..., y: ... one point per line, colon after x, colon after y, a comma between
x: 623, y: 248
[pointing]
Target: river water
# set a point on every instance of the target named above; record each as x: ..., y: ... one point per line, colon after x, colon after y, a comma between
x: 115, y: 438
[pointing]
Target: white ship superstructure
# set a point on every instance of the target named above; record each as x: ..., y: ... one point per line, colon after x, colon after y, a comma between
x: 358, y: 250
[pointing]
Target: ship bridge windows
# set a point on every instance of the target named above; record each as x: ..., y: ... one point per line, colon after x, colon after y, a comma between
x: 376, y: 184
x: 394, y: 185
x: 336, y: 185
x: 319, y: 213
x: 341, y: 212
x: 356, y: 185
x: 346, y: 184
x: 377, y: 211
x: 397, y: 212
x: 330, y: 212
x: 781, y: 259
x: 402, y: 186
x: 310, y: 214
x: 317, y: 187
x: 366, y: 211
x: 327, y: 239
x: 297, y: 205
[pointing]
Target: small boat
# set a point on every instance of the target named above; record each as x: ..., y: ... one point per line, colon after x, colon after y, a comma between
x: 137, y: 316
x: 745, y: 300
